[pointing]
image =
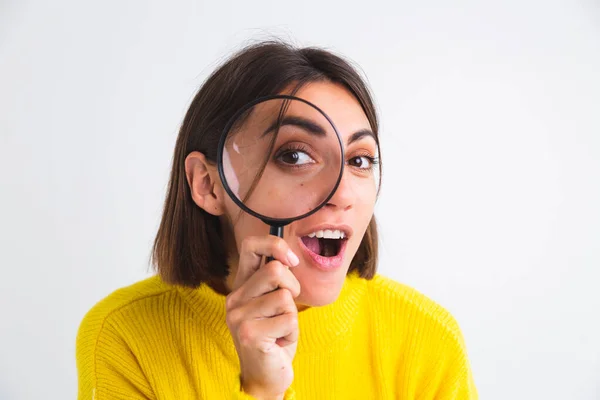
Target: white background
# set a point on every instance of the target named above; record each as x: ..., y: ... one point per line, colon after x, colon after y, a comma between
x: 491, y: 147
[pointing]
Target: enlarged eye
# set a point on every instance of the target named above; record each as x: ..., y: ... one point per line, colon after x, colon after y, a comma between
x: 295, y: 157
x: 361, y: 162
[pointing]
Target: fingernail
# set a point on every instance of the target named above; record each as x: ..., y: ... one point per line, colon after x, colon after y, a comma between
x: 292, y: 258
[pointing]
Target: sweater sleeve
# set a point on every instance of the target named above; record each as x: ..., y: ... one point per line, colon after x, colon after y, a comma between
x: 450, y: 376
x: 459, y: 386
x: 107, y: 368
x: 239, y: 393
x: 427, y: 354
x: 457, y: 383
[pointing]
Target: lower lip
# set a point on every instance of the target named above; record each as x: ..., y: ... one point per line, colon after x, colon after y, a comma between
x: 326, y: 263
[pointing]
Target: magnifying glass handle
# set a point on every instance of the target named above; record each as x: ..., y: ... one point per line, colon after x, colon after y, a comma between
x: 275, y: 230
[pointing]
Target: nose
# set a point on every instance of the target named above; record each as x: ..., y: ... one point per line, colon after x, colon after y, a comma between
x: 344, y: 196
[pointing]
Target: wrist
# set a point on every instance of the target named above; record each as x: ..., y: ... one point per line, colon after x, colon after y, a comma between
x: 258, y: 392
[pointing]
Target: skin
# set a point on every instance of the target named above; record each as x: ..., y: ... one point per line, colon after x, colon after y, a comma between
x: 263, y: 321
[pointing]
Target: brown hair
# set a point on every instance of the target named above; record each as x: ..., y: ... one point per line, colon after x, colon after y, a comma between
x: 190, y: 247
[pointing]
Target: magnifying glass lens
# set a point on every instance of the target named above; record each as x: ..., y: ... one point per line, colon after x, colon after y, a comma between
x: 281, y: 158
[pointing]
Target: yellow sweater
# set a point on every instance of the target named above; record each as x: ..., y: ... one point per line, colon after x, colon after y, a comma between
x: 378, y: 340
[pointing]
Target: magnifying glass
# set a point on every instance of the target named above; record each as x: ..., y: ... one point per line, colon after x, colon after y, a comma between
x: 280, y: 158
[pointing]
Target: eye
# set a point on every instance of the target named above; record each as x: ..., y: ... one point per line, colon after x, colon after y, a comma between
x: 295, y: 157
x: 361, y: 162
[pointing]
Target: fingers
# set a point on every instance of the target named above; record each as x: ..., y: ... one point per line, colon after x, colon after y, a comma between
x: 252, y: 251
x: 269, y: 305
x: 272, y: 276
x: 265, y: 321
x: 262, y: 315
x: 264, y: 334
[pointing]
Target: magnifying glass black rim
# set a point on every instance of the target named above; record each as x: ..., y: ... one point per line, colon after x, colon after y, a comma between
x: 267, y: 220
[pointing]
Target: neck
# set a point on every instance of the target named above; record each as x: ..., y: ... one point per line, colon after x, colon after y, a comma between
x: 321, y: 326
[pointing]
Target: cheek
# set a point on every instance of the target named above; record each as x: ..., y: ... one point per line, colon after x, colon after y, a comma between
x: 242, y: 224
x: 366, y: 198
x: 364, y: 208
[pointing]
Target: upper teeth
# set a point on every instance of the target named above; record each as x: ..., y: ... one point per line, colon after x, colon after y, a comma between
x: 328, y: 234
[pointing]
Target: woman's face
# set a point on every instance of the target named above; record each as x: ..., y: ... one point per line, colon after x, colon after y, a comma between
x: 324, y: 262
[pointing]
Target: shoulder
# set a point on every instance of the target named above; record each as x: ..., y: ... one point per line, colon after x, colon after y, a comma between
x: 126, y: 299
x: 423, y: 340
x: 110, y: 332
x: 404, y: 308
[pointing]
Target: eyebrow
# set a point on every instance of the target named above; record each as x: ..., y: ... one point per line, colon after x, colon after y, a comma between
x: 356, y: 136
x: 316, y: 129
x: 300, y: 122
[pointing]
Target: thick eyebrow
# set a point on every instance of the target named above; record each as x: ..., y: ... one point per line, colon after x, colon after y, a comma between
x: 316, y: 129
x: 300, y: 122
x: 360, y: 134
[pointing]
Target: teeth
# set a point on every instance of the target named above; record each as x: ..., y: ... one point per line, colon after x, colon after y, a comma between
x: 328, y: 234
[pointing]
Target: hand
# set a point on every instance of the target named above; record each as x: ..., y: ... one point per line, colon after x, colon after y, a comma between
x: 263, y: 318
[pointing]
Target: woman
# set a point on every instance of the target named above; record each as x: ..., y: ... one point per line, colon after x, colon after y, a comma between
x: 211, y: 324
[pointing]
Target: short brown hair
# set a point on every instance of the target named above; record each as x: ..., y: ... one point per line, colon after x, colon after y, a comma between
x: 189, y: 247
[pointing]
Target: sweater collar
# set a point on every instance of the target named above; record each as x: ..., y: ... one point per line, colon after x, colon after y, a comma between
x: 319, y: 326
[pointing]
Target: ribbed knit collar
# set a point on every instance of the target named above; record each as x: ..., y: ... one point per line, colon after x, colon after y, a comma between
x: 319, y: 326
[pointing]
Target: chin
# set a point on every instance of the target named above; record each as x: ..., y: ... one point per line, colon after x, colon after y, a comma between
x: 315, y: 301
x: 317, y: 291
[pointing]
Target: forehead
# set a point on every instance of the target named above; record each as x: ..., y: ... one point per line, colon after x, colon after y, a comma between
x: 338, y: 103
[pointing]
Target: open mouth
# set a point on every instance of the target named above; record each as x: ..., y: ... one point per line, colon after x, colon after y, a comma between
x: 325, y: 243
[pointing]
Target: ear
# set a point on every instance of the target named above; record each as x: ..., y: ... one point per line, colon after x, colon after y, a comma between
x: 202, y: 178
